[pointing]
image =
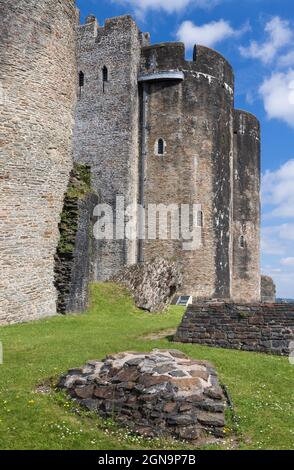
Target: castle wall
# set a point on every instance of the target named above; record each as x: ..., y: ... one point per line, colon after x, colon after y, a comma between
x: 268, y: 289
x: 194, y: 117
x: 74, y: 251
x: 106, y: 131
x: 246, y: 209
x: 38, y: 90
x: 266, y: 328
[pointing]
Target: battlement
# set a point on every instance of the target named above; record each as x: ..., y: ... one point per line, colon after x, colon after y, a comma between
x: 120, y: 25
x: 171, y: 56
x: 110, y: 22
x: 120, y: 21
x: 163, y: 56
x: 210, y: 62
x: 245, y: 122
x: 91, y: 23
x: 250, y: 118
x: 150, y: 125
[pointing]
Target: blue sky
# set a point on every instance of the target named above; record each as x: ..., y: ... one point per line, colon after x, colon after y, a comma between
x: 257, y: 37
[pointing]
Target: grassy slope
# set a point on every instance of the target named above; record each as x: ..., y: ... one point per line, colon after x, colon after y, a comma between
x: 261, y: 386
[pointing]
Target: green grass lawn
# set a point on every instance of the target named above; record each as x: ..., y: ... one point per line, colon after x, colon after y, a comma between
x: 261, y: 386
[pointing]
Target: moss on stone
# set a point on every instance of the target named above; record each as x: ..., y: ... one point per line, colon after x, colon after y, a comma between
x: 78, y: 188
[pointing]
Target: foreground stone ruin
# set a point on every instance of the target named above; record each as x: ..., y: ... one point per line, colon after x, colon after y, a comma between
x: 160, y: 394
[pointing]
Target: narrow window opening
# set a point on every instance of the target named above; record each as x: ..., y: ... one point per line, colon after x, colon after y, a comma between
x: 104, y: 76
x: 160, y: 149
x: 200, y: 219
x: 242, y: 241
x: 81, y: 82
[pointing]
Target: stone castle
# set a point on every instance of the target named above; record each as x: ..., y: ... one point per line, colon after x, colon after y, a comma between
x: 147, y: 124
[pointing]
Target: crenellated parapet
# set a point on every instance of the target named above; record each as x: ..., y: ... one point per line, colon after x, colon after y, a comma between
x: 207, y: 64
x: 150, y: 125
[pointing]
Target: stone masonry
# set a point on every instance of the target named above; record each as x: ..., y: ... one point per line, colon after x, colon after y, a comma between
x: 159, y: 394
x: 153, y: 284
x: 246, y: 208
x: 38, y: 93
x: 135, y: 97
x: 268, y: 289
x: 267, y: 328
x: 153, y: 128
x: 73, y: 267
x: 106, y: 123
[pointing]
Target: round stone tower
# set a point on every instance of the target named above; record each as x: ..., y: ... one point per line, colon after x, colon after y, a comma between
x: 246, y: 208
x: 38, y: 91
x: 187, y: 154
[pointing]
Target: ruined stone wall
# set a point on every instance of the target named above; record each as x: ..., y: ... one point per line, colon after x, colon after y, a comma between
x: 106, y: 131
x: 74, y: 257
x: 268, y: 289
x: 38, y: 90
x: 152, y: 284
x: 195, y: 119
x: 267, y: 328
x: 246, y: 209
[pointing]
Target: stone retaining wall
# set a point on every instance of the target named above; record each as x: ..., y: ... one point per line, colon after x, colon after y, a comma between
x: 267, y: 328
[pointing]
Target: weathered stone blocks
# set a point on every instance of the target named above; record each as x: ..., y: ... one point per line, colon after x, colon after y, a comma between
x: 153, y: 284
x: 267, y: 328
x: 268, y: 289
x: 73, y: 257
x: 160, y: 394
x: 38, y: 80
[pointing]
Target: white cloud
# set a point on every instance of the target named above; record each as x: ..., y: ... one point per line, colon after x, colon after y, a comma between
x: 278, y: 249
x: 208, y: 34
x: 287, y: 60
x: 286, y: 232
x: 287, y: 261
x: 284, y: 281
x: 277, y: 240
x: 270, y: 243
x: 169, y: 6
x: 278, y: 193
x: 277, y: 92
x: 279, y: 35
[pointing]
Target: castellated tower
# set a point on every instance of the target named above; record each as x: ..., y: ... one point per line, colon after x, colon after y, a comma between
x: 150, y: 126
x: 38, y: 91
x: 107, y: 116
x: 246, y: 208
x: 159, y: 129
x: 193, y: 115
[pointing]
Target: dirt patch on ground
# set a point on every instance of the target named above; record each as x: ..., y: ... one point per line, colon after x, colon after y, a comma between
x: 160, y: 334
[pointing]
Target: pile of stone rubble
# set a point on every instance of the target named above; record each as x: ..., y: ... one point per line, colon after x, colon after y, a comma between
x: 159, y: 394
